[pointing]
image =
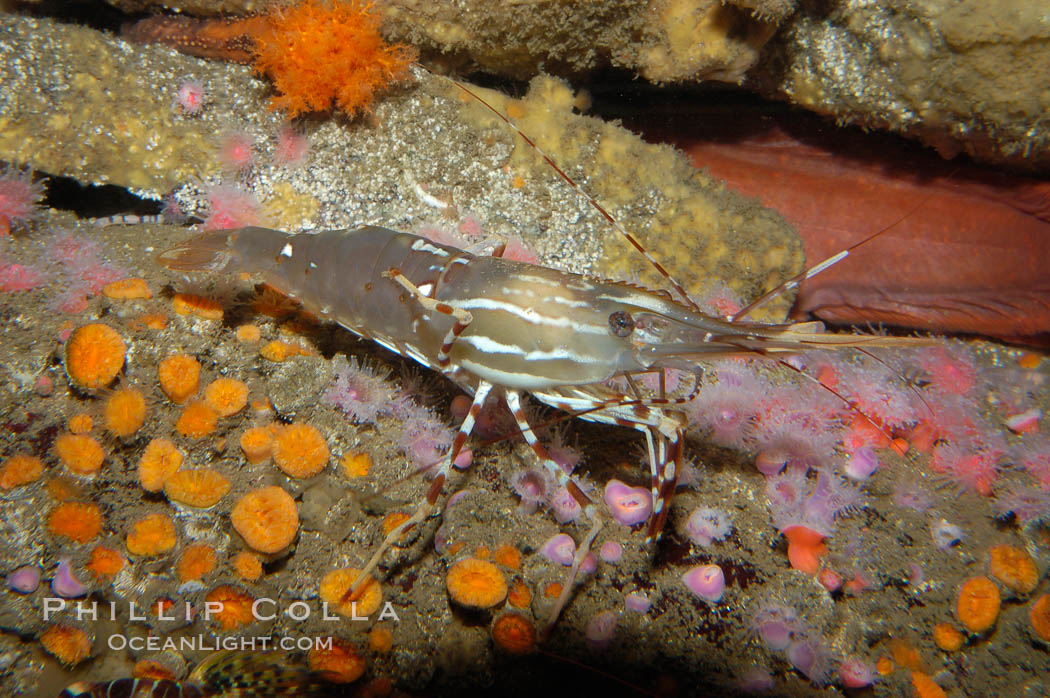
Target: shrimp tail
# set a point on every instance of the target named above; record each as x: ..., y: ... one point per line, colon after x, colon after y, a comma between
x: 212, y: 251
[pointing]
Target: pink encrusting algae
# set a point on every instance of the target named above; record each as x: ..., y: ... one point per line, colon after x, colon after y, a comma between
x: 71, y: 266
x: 189, y: 97
x: 560, y: 549
x: 19, y: 196
x: 533, y: 485
x: 292, y: 148
x: 363, y: 393
x: 707, y: 525
x: 971, y: 465
x: 1033, y: 454
x: 564, y: 506
x: 805, y: 509
x: 236, y: 151
x: 628, y: 505
x: 232, y: 207
x: 15, y: 276
x: 424, y: 438
x: 726, y: 403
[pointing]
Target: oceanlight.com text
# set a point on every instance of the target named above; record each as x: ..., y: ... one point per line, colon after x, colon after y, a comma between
x: 201, y: 643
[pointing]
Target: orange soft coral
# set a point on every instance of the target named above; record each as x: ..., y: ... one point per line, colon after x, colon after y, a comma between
x: 323, y: 54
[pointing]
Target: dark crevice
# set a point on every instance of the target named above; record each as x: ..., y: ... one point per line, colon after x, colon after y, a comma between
x: 95, y: 14
x: 96, y: 200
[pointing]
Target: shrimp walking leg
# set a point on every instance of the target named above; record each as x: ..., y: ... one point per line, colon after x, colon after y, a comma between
x: 565, y: 480
x: 426, y: 505
x: 463, y: 317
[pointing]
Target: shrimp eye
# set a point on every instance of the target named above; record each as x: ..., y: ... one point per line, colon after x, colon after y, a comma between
x: 621, y: 323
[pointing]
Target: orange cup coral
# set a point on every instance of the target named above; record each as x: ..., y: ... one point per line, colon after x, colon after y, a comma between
x: 338, y: 662
x: 229, y: 606
x: 195, y: 562
x: 94, y: 356
x: 66, y: 643
x: 925, y: 687
x: 127, y: 289
x: 80, y: 453
x: 278, y: 351
x: 324, y: 54
x: 63, y: 488
x: 977, y: 606
x: 257, y: 444
x: 105, y: 562
x: 336, y: 584
x: 77, y: 521
x: 905, y: 654
x: 1039, y: 617
x: 151, y: 535
x: 200, y: 487
x: 190, y: 304
x: 266, y: 519
x: 519, y: 595
x: 247, y: 565
x: 153, y: 321
x: 948, y: 638
x: 125, y: 411
x: 380, y: 639
x: 476, y: 583
x: 159, y: 461
x: 392, y: 521
x: 300, y: 450
x: 226, y: 396
x: 80, y: 423
x: 513, y: 633
x: 180, y: 376
x: 197, y: 420
x: 356, y: 463
x: 1014, y: 567
x: 248, y: 333
x: 152, y: 669
x: 161, y: 606
x: 508, y: 556
x: 20, y: 469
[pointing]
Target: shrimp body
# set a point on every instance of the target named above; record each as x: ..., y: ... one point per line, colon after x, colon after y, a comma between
x: 532, y: 328
x: 490, y: 323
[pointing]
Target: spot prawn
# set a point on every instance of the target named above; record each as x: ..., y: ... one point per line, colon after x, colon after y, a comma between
x: 497, y: 326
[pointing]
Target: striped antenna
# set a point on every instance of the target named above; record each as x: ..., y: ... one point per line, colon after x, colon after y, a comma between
x: 679, y: 289
x: 796, y: 281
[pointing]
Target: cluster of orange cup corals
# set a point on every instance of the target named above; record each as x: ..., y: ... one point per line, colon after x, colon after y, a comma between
x: 95, y: 355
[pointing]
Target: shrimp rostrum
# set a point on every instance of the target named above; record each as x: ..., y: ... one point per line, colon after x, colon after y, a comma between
x: 490, y: 323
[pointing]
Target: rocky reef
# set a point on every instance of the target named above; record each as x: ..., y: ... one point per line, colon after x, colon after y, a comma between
x: 191, y: 462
